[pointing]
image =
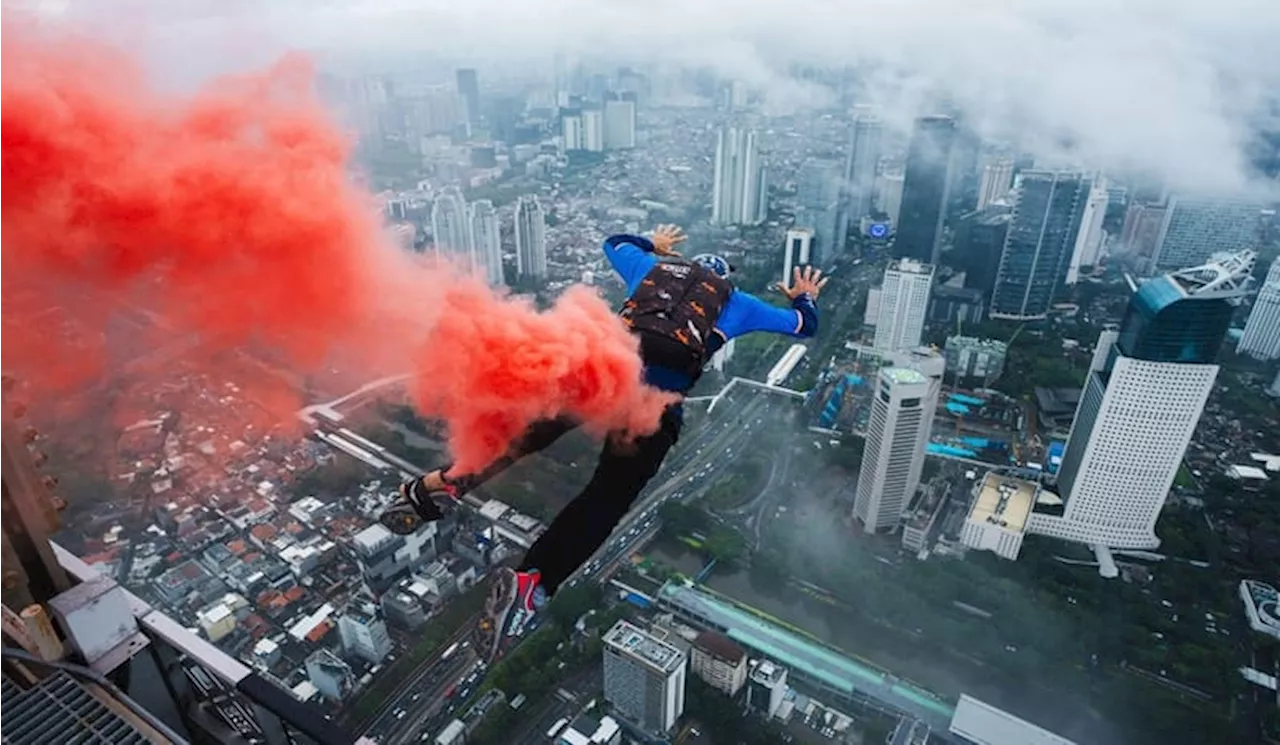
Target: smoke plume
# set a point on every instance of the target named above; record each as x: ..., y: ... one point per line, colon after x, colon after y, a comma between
x: 229, y: 218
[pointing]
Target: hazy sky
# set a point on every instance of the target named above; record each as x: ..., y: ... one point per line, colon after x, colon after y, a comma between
x: 1160, y: 84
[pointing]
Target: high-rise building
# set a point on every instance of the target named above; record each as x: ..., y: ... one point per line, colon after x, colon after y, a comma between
x: 1140, y: 234
x: 469, y: 90
x: 531, y: 238
x: 766, y: 687
x: 384, y: 557
x: 363, y: 633
x: 593, y: 129
x: 329, y: 674
x: 644, y: 677
x: 1195, y: 229
x: 904, y: 303
x: 1088, y: 248
x: 924, y: 190
x: 889, y: 195
x: 996, y: 181
x: 1142, y: 400
x: 1048, y: 209
x: 620, y: 122
x: 571, y: 129
x: 897, y: 432
x: 818, y: 207
x: 486, y: 241
x: 449, y: 223
x: 1261, y: 338
x: 796, y: 250
x: 739, y: 192
x: 979, y: 242
x: 719, y: 661
x: 860, y: 166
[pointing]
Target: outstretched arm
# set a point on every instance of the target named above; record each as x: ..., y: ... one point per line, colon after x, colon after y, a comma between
x: 747, y: 313
x: 632, y: 256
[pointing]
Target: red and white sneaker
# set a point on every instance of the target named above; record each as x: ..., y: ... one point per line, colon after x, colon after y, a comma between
x: 514, y: 598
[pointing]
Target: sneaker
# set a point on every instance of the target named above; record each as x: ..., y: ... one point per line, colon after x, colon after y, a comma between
x: 514, y: 598
x: 416, y: 506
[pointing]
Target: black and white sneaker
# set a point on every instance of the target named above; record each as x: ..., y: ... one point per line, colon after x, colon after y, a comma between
x: 416, y: 506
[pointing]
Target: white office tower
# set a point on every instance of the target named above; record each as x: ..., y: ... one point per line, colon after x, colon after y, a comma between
x: 860, y: 166
x: 1088, y: 246
x: 644, y: 677
x: 889, y: 195
x: 363, y: 633
x: 571, y: 131
x: 893, y: 458
x: 904, y: 302
x: 531, y: 238
x: 593, y: 130
x: 997, y: 180
x: 739, y: 191
x: 1261, y: 339
x: 796, y: 251
x: 449, y: 223
x: 1141, y: 403
x: 620, y: 122
x: 486, y: 241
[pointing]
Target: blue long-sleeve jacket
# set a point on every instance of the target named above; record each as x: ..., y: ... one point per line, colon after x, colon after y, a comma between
x: 632, y: 257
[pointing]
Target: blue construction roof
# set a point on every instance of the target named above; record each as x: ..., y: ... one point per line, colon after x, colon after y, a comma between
x: 793, y: 650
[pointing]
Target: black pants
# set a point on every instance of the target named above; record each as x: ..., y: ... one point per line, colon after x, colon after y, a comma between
x: 581, y: 527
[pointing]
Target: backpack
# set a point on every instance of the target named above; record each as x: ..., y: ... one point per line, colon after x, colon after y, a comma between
x: 679, y: 300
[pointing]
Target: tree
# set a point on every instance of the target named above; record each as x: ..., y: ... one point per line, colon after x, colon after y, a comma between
x: 571, y: 602
x: 725, y: 545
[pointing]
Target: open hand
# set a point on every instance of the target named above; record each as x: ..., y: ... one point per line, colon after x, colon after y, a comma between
x: 805, y: 281
x: 666, y: 238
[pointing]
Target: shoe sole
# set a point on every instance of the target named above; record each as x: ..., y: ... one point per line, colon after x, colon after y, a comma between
x: 400, y: 519
x: 498, y: 609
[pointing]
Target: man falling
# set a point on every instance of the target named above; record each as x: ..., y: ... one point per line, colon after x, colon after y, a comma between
x: 682, y: 310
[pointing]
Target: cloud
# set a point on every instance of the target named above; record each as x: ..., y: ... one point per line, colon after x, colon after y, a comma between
x: 1147, y: 85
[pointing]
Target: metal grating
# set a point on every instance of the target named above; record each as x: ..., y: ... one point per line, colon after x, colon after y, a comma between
x: 59, y: 710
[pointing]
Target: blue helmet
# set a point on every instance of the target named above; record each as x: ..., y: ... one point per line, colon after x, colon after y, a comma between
x: 713, y: 263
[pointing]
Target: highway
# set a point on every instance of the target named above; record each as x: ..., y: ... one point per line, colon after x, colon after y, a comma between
x: 426, y: 683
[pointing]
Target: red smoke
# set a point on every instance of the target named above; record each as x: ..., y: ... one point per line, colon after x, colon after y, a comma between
x: 231, y: 216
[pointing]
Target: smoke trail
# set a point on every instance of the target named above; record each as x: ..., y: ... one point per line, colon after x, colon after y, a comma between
x: 231, y: 218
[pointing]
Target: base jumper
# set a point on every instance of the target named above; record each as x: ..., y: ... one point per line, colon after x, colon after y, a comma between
x: 683, y: 311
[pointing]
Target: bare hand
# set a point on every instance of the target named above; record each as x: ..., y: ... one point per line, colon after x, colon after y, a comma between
x: 666, y: 238
x: 434, y: 481
x: 806, y: 281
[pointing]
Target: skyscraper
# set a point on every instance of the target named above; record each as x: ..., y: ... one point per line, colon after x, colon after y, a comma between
x: 486, y: 241
x: 449, y: 223
x: 739, y: 191
x: 644, y: 677
x: 593, y: 129
x: 1142, y: 400
x: 1195, y: 229
x: 1088, y: 246
x: 904, y: 302
x: 620, y: 122
x: 469, y: 90
x: 1048, y: 209
x: 893, y: 458
x: 796, y: 250
x: 818, y: 206
x: 1261, y: 339
x: 924, y: 190
x: 571, y: 129
x: 997, y: 179
x: 531, y: 238
x: 860, y: 166
x: 980, y: 239
x: 889, y: 195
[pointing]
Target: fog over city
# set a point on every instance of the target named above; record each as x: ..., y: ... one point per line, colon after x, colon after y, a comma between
x: 1138, y: 85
